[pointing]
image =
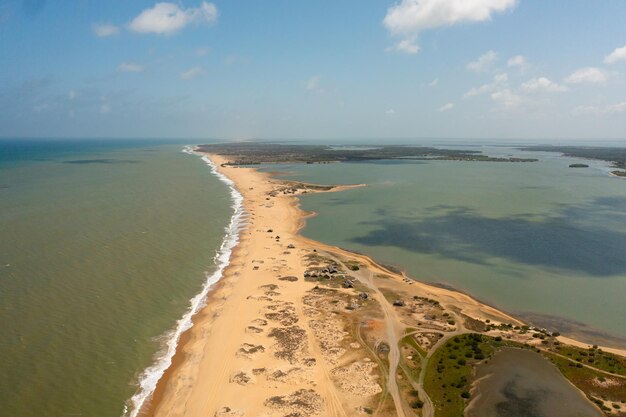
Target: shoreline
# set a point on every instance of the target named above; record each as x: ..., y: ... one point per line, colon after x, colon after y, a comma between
x: 164, y: 362
x: 191, y: 361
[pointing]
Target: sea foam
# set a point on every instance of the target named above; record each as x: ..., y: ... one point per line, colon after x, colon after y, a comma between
x: 150, y: 377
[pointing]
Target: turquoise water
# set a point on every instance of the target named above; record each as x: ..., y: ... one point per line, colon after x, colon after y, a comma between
x: 102, y: 246
x: 537, y: 239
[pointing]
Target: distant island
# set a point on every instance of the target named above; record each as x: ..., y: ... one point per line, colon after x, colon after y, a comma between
x: 617, y: 156
x: 249, y: 153
x: 579, y: 166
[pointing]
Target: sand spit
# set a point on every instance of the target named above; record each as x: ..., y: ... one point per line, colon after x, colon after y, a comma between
x: 297, y: 328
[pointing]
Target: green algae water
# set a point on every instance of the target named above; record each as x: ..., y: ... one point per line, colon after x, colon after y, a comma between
x: 538, y: 239
x: 102, y: 247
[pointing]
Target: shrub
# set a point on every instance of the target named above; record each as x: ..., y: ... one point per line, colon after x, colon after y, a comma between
x: 417, y: 404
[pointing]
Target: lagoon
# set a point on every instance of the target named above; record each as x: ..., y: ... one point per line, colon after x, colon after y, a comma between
x: 540, y: 240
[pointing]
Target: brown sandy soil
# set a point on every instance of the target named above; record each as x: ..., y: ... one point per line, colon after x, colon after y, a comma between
x: 292, y: 330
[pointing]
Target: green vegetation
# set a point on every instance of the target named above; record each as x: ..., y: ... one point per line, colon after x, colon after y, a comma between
x: 594, y: 357
x: 389, y: 294
x: 579, y: 166
x: 449, y: 373
x: 409, y: 369
x: 254, y: 153
x: 599, y: 387
x: 409, y: 340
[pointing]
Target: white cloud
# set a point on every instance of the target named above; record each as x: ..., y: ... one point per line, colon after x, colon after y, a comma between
x: 591, y: 75
x: 616, y: 108
x: 607, y: 110
x: 408, y: 18
x: 585, y: 110
x: 483, y: 62
x: 619, y: 54
x: 542, y: 84
x: 313, y: 84
x: 168, y: 18
x: 517, y: 61
x: 499, y: 81
x: 407, y: 46
x: 446, y: 107
x: 191, y: 73
x: 434, y: 83
x: 129, y: 67
x: 234, y: 59
x: 507, y: 98
x: 202, y: 51
x: 104, y: 30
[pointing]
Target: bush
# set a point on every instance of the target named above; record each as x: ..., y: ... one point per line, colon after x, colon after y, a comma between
x: 465, y: 394
x: 417, y: 404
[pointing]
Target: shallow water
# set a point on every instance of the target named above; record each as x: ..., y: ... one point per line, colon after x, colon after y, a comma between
x: 538, y: 239
x: 521, y: 383
x: 102, y: 247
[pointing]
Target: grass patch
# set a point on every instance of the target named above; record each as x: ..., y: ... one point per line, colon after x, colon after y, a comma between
x: 352, y: 265
x: 389, y: 294
x: 450, y: 372
x: 594, y: 357
x: 409, y: 340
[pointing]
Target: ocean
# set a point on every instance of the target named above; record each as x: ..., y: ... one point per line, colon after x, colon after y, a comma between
x: 540, y: 240
x: 106, y: 249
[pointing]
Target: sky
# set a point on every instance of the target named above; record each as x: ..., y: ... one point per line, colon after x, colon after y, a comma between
x: 284, y: 69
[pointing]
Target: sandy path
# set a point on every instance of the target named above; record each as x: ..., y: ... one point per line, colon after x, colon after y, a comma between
x: 394, y: 334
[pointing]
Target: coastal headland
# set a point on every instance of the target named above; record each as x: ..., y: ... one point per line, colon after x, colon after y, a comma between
x: 299, y: 328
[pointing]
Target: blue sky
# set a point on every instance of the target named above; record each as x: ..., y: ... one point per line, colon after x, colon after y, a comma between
x: 505, y: 69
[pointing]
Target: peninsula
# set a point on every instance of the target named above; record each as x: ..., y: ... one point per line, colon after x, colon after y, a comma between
x: 299, y: 328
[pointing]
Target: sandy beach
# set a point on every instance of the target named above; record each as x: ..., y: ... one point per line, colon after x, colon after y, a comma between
x: 299, y: 328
